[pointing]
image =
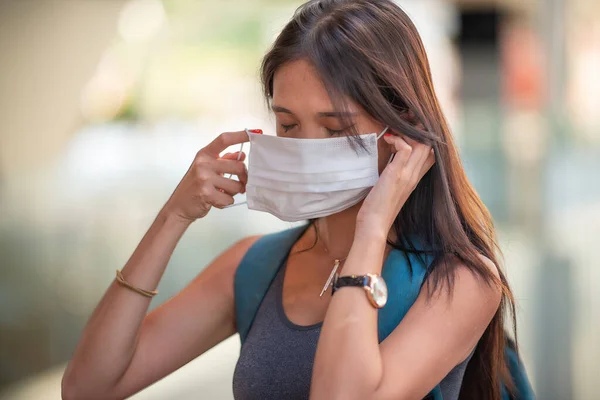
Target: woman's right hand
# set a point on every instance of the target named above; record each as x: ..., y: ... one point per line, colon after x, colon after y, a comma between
x: 204, y: 186
x: 121, y: 350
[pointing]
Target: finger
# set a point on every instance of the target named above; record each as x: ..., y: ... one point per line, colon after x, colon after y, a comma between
x: 429, y: 162
x: 425, y: 166
x: 230, y: 186
x: 221, y: 166
x: 411, y: 142
x: 401, y: 148
x: 234, y: 156
x: 242, y: 174
x: 220, y: 199
x: 223, y: 141
x: 241, y: 156
x: 238, y: 168
x: 419, y: 156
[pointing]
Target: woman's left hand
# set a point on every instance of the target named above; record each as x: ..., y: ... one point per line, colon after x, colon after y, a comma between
x: 397, y: 181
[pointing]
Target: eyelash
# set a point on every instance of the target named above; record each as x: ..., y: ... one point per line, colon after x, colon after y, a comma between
x: 332, y: 132
x: 287, y: 127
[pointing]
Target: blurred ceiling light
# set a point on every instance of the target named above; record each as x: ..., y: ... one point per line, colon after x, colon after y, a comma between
x: 141, y: 19
x: 584, y: 82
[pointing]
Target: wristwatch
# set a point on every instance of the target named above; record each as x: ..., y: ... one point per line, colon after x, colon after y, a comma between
x: 373, y: 284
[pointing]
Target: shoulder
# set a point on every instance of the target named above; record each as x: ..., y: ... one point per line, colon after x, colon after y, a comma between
x: 482, y: 284
x: 462, y: 309
x: 271, y: 243
x: 236, y: 252
x: 478, y: 292
x: 240, y: 248
x: 221, y: 271
x: 474, y: 285
x: 459, y: 303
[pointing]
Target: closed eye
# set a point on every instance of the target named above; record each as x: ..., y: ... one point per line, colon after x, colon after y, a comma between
x: 287, y: 127
x: 335, y: 132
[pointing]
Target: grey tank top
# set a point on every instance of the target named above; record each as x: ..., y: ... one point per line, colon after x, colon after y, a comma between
x: 277, y: 356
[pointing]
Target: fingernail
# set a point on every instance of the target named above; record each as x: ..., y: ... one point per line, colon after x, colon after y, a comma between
x: 387, y: 134
x: 256, y: 131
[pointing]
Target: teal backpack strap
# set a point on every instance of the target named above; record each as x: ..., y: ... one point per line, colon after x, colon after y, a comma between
x: 518, y: 374
x: 256, y: 272
x: 404, y: 274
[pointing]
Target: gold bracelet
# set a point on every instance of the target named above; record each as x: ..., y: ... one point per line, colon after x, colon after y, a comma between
x: 143, y: 292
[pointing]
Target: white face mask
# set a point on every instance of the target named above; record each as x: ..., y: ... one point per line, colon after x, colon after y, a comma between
x: 299, y: 179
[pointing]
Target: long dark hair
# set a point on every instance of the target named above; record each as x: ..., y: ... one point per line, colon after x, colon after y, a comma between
x: 370, y: 52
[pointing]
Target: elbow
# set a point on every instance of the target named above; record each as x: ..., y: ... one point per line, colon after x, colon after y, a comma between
x: 350, y: 395
x: 68, y: 390
x: 340, y: 387
x: 345, y: 392
x: 71, y: 389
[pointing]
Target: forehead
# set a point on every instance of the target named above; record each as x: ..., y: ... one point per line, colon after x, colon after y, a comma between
x: 298, y: 87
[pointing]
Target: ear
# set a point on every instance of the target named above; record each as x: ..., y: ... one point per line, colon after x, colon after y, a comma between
x: 410, y: 117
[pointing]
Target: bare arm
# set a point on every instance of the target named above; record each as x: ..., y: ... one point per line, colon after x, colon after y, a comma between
x: 436, y: 334
x: 122, y: 350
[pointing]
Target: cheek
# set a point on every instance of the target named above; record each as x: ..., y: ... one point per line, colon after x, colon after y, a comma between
x: 384, y: 152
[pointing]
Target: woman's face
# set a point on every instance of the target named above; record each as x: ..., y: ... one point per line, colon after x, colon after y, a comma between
x: 304, y: 110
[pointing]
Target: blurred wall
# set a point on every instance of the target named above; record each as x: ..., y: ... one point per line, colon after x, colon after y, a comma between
x: 48, y: 50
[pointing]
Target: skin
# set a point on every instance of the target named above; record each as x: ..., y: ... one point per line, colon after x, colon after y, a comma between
x: 123, y: 350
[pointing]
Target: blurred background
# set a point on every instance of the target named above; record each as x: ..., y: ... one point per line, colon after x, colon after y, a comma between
x: 103, y: 105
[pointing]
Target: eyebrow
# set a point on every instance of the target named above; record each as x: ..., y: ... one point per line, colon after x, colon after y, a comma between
x: 325, y: 114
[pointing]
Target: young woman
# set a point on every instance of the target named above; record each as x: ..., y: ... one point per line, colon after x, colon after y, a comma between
x: 339, y: 69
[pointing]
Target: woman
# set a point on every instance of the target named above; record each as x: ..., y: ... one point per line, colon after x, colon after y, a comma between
x: 340, y: 68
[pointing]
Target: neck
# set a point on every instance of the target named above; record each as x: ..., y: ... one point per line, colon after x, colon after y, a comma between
x: 336, y: 232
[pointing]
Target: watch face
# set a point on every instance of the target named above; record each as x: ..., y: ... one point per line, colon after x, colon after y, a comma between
x: 379, y: 290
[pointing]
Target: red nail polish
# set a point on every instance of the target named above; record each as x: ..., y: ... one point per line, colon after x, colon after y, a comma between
x: 387, y: 134
x: 256, y: 131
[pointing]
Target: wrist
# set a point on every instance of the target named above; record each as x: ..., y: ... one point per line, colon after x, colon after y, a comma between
x: 368, y: 246
x: 171, y: 216
x: 365, y: 256
x: 370, y: 234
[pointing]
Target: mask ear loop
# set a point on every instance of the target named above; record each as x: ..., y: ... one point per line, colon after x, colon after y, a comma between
x: 382, y: 132
x: 378, y: 137
x: 240, y: 152
x: 230, y: 175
